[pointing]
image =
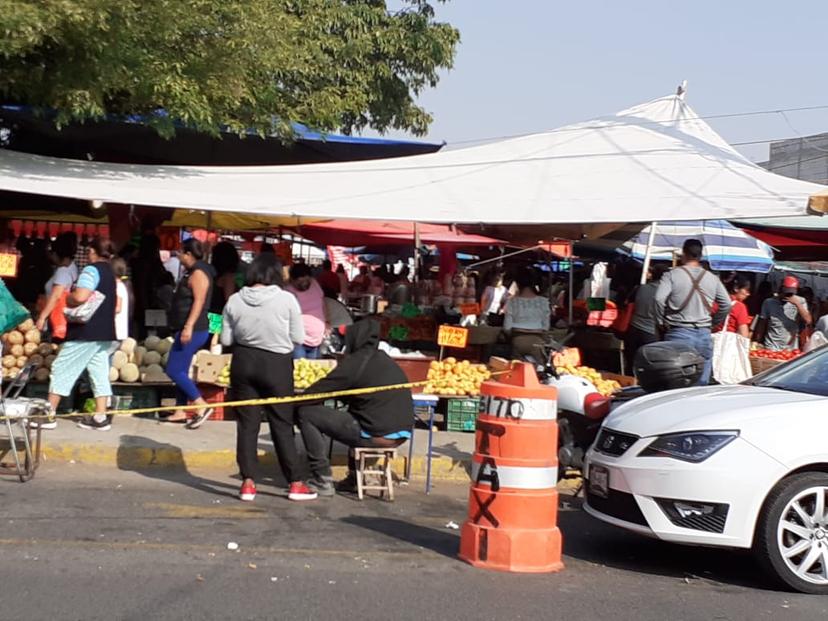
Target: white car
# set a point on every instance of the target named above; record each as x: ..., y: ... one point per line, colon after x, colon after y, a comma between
x: 742, y: 466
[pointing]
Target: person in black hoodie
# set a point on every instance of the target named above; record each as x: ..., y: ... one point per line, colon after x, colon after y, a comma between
x: 380, y: 419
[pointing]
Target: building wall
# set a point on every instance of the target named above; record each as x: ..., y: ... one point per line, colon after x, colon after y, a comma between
x: 801, y: 158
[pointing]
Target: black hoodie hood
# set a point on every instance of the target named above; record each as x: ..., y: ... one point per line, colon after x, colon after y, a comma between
x: 378, y: 413
x: 363, y: 334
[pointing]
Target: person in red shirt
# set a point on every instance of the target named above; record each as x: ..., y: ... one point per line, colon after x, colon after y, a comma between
x: 739, y: 318
x: 329, y: 281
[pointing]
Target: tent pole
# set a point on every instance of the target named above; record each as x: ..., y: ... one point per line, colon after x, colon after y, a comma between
x: 649, y: 254
x: 571, y: 282
x: 416, y: 252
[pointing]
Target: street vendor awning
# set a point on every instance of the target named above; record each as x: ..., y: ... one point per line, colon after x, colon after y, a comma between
x: 658, y: 161
x: 372, y: 232
x: 726, y: 247
x: 804, y: 238
x: 229, y: 221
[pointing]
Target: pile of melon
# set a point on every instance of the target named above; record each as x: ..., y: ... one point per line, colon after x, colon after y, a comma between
x: 141, y: 363
x: 22, y: 347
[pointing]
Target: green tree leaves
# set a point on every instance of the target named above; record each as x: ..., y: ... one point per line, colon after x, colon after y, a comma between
x: 335, y: 65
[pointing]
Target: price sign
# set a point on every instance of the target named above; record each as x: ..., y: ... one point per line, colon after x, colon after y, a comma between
x: 469, y: 309
x: 452, y: 336
x: 8, y: 265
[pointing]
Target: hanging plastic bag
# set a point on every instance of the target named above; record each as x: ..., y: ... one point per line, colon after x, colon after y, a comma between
x: 599, y: 282
x: 731, y: 357
x: 12, y: 312
x: 57, y: 320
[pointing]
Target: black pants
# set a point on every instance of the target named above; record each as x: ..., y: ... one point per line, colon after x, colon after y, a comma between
x: 633, y: 340
x: 257, y: 374
x: 318, y: 421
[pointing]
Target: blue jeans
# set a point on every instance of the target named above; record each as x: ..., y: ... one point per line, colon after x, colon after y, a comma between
x: 700, y: 340
x: 178, y: 366
x: 305, y: 351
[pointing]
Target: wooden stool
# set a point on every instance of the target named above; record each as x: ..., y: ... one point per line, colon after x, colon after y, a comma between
x: 374, y: 462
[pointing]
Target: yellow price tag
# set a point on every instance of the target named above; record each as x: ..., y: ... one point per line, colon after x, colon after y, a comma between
x: 452, y: 336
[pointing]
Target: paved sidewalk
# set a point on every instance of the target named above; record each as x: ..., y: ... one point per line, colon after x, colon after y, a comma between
x: 140, y: 442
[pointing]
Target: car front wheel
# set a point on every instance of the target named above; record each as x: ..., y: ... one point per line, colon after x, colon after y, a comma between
x: 792, y: 534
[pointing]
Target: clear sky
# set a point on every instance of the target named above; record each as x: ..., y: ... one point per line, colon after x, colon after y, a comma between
x: 529, y: 65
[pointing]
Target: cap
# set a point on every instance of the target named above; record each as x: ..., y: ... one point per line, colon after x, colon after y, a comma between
x: 790, y: 284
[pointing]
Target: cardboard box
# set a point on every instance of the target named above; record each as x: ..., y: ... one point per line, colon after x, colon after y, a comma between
x: 207, y: 367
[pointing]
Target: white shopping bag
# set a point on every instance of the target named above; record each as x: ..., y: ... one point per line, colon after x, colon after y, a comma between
x: 817, y: 340
x: 731, y: 357
x: 598, y: 284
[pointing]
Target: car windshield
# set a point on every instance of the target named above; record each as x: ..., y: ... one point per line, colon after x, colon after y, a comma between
x: 808, y: 374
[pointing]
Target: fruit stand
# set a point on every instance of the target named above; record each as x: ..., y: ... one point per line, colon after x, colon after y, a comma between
x: 764, y: 359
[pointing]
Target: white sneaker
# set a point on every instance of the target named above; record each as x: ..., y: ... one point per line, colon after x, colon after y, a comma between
x: 49, y: 424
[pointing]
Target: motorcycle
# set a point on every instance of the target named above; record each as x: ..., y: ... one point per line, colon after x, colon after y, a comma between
x: 582, y: 409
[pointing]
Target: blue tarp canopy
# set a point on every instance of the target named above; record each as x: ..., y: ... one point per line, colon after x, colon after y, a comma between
x: 130, y: 140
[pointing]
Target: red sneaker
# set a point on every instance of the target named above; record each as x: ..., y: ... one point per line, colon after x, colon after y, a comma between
x: 299, y: 491
x: 248, y: 492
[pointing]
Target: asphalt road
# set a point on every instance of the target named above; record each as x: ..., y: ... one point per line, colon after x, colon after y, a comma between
x: 88, y: 543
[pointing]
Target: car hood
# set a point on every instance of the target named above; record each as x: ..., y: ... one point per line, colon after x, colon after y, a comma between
x: 698, y: 409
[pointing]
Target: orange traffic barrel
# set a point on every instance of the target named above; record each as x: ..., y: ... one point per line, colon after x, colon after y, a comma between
x: 512, y: 523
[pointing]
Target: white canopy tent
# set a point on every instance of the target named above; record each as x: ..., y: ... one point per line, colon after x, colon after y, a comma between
x: 655, y: 162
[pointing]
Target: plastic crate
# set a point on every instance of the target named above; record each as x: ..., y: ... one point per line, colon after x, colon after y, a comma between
x: 461, y: 413
x: 134, y: 396
x: 215, y: 395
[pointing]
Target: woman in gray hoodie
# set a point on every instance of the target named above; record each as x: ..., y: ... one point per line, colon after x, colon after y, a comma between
x: 263, y: 323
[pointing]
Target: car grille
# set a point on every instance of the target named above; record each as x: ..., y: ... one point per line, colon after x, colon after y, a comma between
x: 713, y: 522
x: 611, y: 442
x: 620, y: 505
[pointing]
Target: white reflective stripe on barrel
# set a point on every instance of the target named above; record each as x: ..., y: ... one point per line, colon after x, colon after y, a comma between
x: 520, y: 409
x: 517, y: 477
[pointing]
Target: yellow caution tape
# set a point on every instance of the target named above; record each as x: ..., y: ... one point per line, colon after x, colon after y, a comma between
x: 353, y: 392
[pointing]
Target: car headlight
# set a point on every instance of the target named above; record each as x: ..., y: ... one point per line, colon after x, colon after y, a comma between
x: 695, y: 446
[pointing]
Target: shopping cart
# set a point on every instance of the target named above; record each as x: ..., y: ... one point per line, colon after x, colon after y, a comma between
x: 17, y: 412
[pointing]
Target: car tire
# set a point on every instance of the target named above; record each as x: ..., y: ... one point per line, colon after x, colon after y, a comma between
x: 791, y: 547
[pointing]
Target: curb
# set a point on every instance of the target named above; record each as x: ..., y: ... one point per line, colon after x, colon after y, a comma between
x: 173, y: 458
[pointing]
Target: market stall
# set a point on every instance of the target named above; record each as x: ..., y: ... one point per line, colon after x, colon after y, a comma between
x: 656, y: 162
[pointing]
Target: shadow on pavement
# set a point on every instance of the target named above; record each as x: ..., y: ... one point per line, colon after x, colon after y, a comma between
x: 459, y: 458
x: 588, y: 539
x: 444, y: 543
x: 166, y: 464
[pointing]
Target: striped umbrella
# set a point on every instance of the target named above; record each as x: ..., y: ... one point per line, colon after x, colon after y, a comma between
x: 726, y: 247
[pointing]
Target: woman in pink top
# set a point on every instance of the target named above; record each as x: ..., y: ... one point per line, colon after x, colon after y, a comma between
x: 312, y: 302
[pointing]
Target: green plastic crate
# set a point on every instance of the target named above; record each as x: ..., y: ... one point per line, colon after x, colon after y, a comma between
x: 461, y: 414
x: 134, y: 396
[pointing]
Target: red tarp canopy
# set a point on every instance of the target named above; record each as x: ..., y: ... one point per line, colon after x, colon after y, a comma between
x: 352, y: 233
x: 793, y: 244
